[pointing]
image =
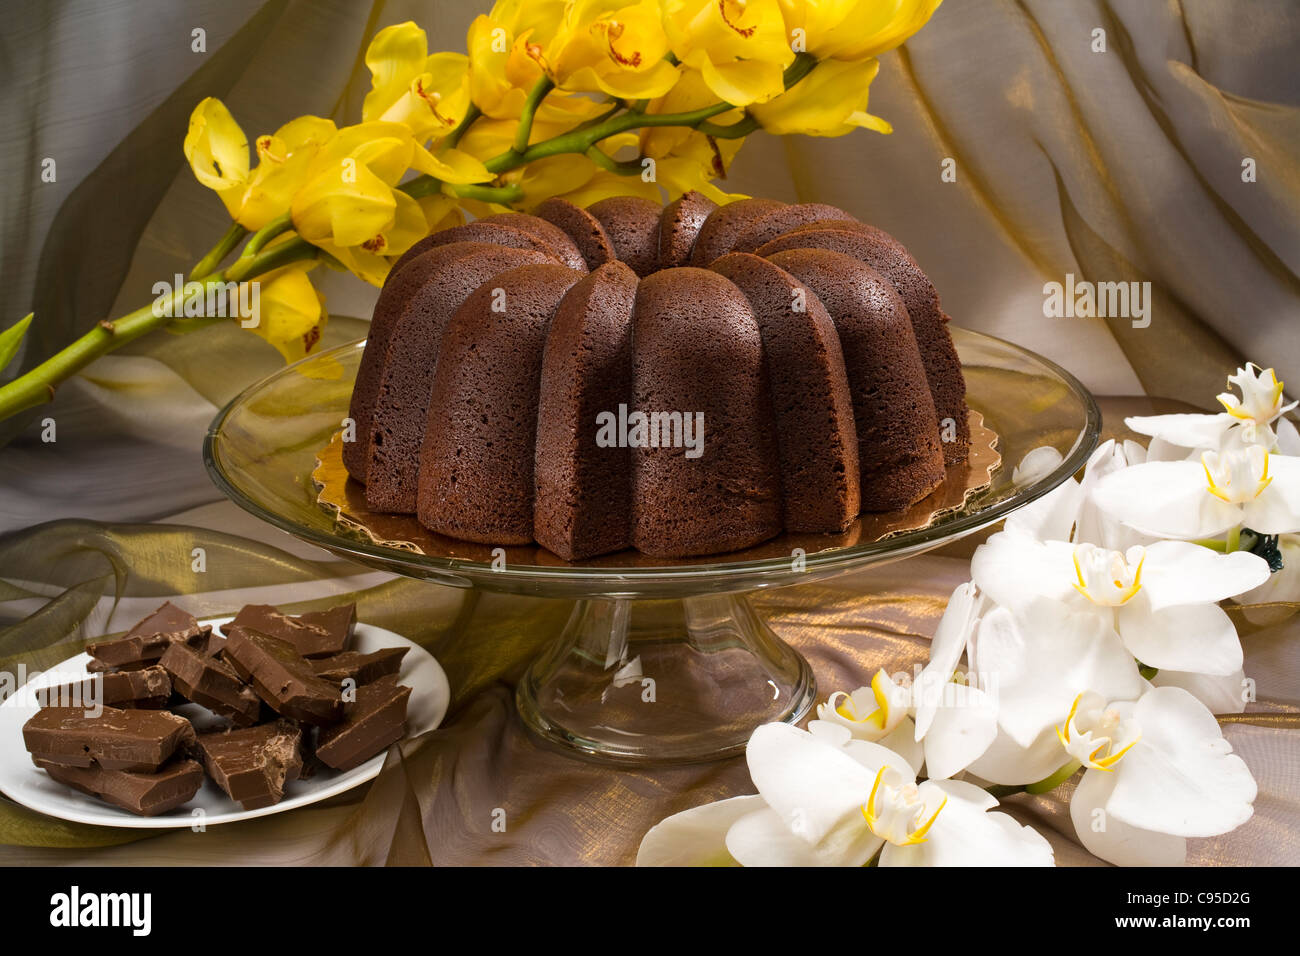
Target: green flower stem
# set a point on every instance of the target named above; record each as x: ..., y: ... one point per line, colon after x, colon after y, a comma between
x: 1042, y: 786
x: 208, y: 264
x: 534, y: 99
x: 37, y: 385
x: 274, y: 228
x: 466, y: 121
x: 631, y: 167
x: 1214, y: 544
x: 1234, y: 540
x: 505, y: 195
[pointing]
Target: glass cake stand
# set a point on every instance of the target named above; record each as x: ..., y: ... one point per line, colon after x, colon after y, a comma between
x: 662, y: 660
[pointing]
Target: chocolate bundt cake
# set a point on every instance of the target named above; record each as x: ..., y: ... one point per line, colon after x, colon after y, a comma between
x: 683, y: 380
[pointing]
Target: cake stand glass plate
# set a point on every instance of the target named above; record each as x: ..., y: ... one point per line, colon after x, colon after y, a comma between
x: 662, y: 660
x: 24, y: 782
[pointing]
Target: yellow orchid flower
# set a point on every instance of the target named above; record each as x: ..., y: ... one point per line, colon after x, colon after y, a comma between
x: 690, y: 93
x: 853, y: 29
x: 291, y: 313
x: 614, y: 47
x: 429, y: 94
x: 502, y: 66
x: 604, y: 184
x: 829, y: 101
x: 740, y: 47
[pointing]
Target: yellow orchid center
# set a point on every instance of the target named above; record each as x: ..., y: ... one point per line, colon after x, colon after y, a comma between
x: 1238, y: 475
x: 1096, y: 735
x: 878, y: 718
x: 739, y: 6
x: 1106, y: 577
x: 614, y: 30
x: 895, y: 810
x: 433, y: 98
x: 266, y: 149
x: 1261, y: 395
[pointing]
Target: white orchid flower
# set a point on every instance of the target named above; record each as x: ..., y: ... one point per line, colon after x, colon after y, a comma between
x: 879, y: 713
x: 1248, y: 419
x: 1158, y: 771
x: 955, y: 721
x: 1035, y: 661
x: 1162, y: 599
x: 1221, y: 694
x: 1197, y: 499
x: 1068, y: 511
x: 828, y: 799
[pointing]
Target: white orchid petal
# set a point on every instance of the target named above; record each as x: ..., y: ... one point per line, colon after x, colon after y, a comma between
x: 815, y: 787
x: 1288, y: 438
x: 965, y: 833
x: 1182, y: 776
x: 903, y: 743
x: 1161, y: 450
x: 1014, y: 570
x: 1167, y: 499
x: 696, y: 837
x: 1188, y: 637
x: 1006, y: 762
x: 1277, y: 509
x: 873, y: 756
x: 946, y: 649
x: 1188, y: 431
x: 1114, y: 840
x: 1050, y: 517
x: 961, y: 732
x: 832, y: 732
x: 1037, y: 464
x: 762, y: 839
x: 1222, y: 694
x: 1046, y: 656
x: 1179, y: 572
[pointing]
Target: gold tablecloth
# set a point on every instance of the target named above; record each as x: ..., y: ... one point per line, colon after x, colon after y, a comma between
x: 439, y: 795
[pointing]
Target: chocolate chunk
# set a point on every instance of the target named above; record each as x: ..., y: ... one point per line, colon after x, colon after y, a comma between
x: 362, y: 668
x: 147, y: 641
x: 376, y: 719
x: 312, y: 635
x: 281, y: 677
x: 134, y: 740
x: 210, y: 645
x: 145, y: 794
x: 149, y: 687
x: 253, y: 765
x: 213, y: 683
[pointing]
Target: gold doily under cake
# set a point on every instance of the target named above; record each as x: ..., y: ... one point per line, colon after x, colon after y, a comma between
x: 346, y: 499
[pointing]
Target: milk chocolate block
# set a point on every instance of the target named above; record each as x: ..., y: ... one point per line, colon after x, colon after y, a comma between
x: 362, y: 668
x: 147, y: 641
x: 132, y: 740
x: 213, y: 683
x: 376, y: 719
x: 317, y: 634
x: 281, y: 677
x: 253, y: 765
x: 144, y: 794
x: 149, y: 687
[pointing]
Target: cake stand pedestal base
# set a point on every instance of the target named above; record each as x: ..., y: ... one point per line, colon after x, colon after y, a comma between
x: 652, y: 682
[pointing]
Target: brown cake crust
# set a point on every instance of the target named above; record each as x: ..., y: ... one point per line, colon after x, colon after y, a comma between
x: 480, y: 230
x: 929, y: 323
x: 725, y: 224
x: 697, y: 348
x: 476, y: 464
x: 583, y: 505
x: 582, y: 227
x: 679, y: 226
x: 782, y: 220
x: 816, y: 435
x: 406, y: 380
x: 564, y: 248
x: 632, y: 224
x: 900, y: 457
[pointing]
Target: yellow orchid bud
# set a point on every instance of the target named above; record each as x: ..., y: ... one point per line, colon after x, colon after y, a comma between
x: 217, y: 150
x: 613, y: 47
x: 853, y: 29
x: 740, y: 47
x: 291, y: 313
x: 829, y: 101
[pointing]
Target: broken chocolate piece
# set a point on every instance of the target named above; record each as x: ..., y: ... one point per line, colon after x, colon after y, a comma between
x: 376, y: 719
x: 146, y: 642
x: 317, y: 634
x: 213, y: 683
x: 281, y: 677
x: 362, y: 668
x: 253, y: 765
x: 133, y: 740
x: 149, y: 687
x: 145, y: 794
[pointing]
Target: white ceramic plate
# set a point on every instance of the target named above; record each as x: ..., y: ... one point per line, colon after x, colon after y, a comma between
x: 23, y: 781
